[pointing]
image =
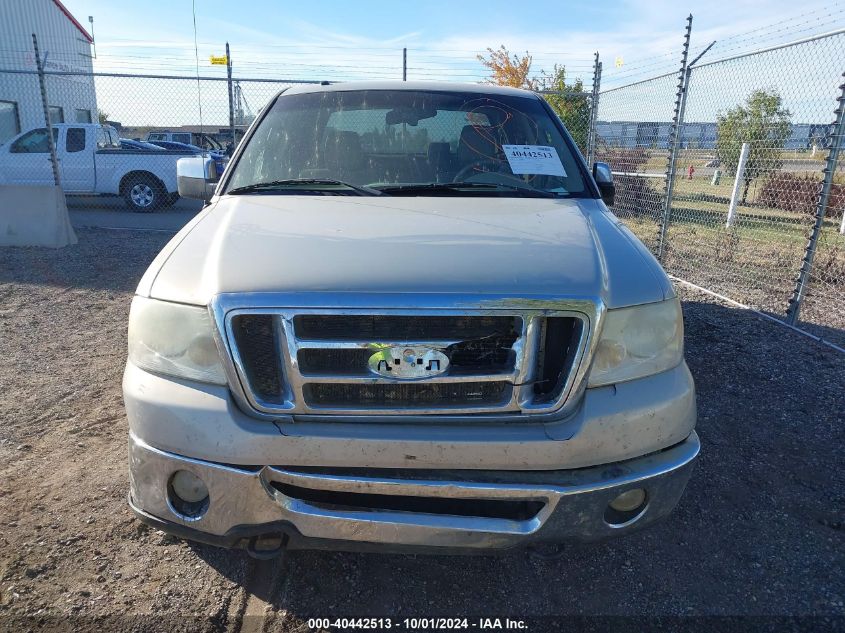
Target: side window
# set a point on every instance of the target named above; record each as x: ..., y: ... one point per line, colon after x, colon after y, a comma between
x: 102, y: 138
x: 114, y: 139
x: 75, y: 141
x: 377, y: 136
x: 447, y: 125
x: 34, y: 142
x: 155, y: 137
x: 57, y: 114
x: 182, y: 138
x: 9, y: 120
x: 368, y: 126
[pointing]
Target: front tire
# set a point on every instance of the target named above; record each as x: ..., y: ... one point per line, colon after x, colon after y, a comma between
x: 143, y: 194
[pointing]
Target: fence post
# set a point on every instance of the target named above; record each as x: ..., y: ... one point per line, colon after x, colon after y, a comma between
x: 231, y: 96
x: 740, y: 175
x: 674, y: 140
x: 404, y: 64
x: 54, y: 160
x: 594, y: 112
x: 834, y: 141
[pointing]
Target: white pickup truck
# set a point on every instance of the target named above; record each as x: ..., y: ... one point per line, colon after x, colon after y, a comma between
x: 91, y: 162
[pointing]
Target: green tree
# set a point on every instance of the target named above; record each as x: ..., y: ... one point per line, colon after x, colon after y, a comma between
x: 102, y: 116
x: 764, y: 124
x: 569, y: 101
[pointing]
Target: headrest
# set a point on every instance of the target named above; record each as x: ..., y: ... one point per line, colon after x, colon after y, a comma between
x: 342, y: 145
x: 477, y: 143
x: 438, y: 152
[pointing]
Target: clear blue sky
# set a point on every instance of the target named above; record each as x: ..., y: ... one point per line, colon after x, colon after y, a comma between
x: 356, y: 40
x: 645, y: 34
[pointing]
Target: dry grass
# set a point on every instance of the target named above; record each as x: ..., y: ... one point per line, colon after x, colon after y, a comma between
x: 756, y: 261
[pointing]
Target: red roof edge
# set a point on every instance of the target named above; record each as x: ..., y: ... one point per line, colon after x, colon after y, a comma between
x: 76, y: 23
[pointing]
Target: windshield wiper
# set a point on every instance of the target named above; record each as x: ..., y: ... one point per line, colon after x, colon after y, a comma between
x: 457, y: 186
x: 302, y: 183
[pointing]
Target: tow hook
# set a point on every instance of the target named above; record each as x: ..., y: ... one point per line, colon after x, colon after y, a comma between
x: 267, y: 546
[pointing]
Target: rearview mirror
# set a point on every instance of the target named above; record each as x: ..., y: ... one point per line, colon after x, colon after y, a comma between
x: 196, y: 177
x: 409, y: 115
x: 604, y: 179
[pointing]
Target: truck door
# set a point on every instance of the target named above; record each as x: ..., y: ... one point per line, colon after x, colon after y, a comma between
x: 78, y: 160
x: 28, y: 160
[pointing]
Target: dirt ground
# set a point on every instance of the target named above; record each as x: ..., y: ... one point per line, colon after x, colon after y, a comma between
x: 759, y: 531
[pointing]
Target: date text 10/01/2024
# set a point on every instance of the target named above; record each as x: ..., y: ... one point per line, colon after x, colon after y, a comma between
x: 416, y: 624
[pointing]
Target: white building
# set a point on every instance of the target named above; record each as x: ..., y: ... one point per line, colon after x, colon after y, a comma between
x: 65, y: 47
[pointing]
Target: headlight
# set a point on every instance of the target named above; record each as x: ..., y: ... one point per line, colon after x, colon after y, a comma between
x: 638, y: 341
x: 174, y: 339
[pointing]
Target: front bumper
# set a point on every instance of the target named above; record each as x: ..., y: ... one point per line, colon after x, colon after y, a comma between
x: 290, y: 503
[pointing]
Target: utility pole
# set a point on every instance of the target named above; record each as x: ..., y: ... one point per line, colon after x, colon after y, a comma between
x: 404, y: 64
x: 231, y: 95
x: 93, y: 41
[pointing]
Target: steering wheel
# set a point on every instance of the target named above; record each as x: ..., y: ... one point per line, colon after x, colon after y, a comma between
x: 476, y: 165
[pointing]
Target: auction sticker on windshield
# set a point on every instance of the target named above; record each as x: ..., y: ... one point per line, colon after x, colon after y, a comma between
x: 534, y: 159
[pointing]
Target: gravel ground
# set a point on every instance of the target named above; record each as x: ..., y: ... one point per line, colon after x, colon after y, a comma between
x: 758, y: 532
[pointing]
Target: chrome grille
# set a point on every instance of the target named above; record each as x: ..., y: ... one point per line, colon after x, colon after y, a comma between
x: 311, y: 361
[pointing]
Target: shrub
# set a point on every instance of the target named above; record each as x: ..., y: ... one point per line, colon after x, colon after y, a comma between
x: 623, y: 159
x: 800, y: 194
x: 637, y: 197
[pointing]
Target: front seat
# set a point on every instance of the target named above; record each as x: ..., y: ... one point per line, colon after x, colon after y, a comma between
x: 477, y: 143
x: 344, y: 157
x: 439, y: 161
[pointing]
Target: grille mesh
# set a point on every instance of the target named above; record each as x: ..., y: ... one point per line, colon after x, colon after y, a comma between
x: 259, y: 348
x: 344, y: 327
x: 347, y: 362
x: 480, y: 356
x: 558, y: 345
x: 407, y: 395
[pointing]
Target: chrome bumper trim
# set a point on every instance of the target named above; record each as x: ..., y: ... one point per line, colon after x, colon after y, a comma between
x: 573, y: 501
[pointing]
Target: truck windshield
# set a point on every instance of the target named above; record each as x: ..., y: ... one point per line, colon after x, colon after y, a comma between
x: 408, y: 142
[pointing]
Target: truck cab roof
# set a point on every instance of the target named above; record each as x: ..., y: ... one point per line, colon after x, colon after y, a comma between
x: 442, y: 86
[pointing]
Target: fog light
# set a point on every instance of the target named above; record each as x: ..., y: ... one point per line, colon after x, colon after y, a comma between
x: 629, y: 500
x: 187, y: 495
x: 188, y: 487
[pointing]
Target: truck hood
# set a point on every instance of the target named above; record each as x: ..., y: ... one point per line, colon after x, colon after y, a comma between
x: 503, y: 247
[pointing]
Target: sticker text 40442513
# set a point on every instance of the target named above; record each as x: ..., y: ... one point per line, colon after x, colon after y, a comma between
x: 534, y: 159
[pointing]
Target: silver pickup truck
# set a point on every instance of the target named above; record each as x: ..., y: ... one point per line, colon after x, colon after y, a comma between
x: 405, y: 319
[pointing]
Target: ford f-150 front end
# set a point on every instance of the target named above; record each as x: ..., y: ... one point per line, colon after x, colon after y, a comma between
x: 406, y: 319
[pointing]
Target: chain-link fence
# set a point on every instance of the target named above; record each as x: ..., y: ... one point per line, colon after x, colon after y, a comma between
x: 110, y: 164
x: 147, y: 122
x: 633, y: 133
x: 718, y: 167
x: 749, y: 138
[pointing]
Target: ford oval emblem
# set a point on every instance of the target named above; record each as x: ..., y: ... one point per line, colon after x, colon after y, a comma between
x: 408, y: 363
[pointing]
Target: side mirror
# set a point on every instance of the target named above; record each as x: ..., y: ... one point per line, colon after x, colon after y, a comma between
x: 196, y: 177
x: 604, y: 179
